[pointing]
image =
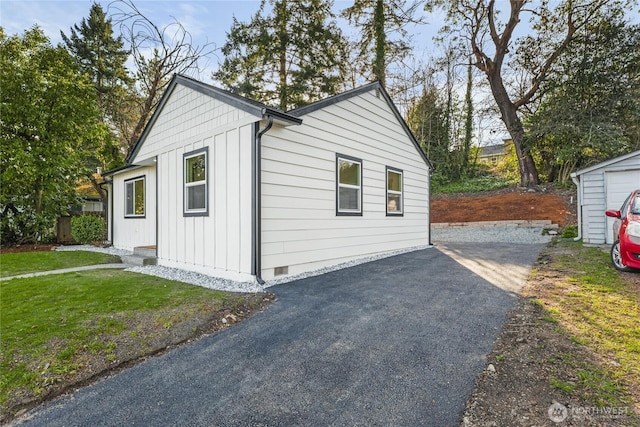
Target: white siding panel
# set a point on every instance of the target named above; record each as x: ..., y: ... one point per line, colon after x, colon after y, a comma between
x: 304, y: 235
x: 300, y: 228
x: 186, y: 116
x: 233, y: 200
x: 593, y: 207
x: 244, y: 195
x: 219, y: 162
x: 218, y: 243
x: 128, y: 233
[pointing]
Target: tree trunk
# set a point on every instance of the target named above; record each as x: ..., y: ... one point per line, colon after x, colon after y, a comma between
x: 379, y: 66
x: 283, y: 38
x: 99, y: 190
x: 509, y: 113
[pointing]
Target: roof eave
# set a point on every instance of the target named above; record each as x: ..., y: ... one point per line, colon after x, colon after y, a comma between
x: 606, y: 163
x: 254, y: 108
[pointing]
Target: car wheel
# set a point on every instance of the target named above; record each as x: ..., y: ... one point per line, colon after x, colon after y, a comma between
x: 616, y: 257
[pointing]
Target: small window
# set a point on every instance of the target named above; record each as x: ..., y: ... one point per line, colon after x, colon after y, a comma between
x: 349, y: 185
x: 195, y: 183
x: 394, y: 192
x: 134, y: 198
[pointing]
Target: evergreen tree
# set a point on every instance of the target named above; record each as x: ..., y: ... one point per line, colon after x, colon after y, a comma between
x: 101, y: 56
x: 376, y: 19
x: 290, y: 57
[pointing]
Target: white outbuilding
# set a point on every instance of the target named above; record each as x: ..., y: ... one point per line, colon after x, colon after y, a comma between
x: 604, y: 186
x: 229, y: 187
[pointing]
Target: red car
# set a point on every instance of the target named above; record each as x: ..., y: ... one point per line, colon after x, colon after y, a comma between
x: 625, y: 252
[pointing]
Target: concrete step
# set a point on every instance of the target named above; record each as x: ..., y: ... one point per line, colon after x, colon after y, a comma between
x: 145, y: 251
x: 139, y: 260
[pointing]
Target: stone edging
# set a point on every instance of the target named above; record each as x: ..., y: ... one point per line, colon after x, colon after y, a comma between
x: 518, y: 223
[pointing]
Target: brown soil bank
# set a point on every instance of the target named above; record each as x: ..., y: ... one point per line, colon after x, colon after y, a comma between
x: 503, y: 205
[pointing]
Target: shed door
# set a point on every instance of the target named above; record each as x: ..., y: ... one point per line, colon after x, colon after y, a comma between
x: 618, y: 187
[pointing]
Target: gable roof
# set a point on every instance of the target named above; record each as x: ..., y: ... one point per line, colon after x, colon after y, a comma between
x: 250, y: 106
x: 261, y: 110
x: 607, y: 163
x: 301, y: 111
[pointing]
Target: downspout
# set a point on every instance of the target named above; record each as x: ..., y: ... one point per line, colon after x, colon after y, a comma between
x: 256, y: 202
x: 429, y: 207
x: 155, y: 162
x: 576, y: 181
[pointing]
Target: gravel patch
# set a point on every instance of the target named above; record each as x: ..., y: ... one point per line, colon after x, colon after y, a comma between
x: 176, y: 274
x: 490, y: 235
x: 197, y: 279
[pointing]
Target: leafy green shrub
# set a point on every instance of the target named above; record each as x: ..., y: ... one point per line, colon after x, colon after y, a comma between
x: 570, y: 231
x: 87, y: 229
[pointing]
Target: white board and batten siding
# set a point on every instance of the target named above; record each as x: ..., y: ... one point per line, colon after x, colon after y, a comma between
x: 300, y: 228
x: 219, y: 243
x: 129, y: 232
x: 602, y: 187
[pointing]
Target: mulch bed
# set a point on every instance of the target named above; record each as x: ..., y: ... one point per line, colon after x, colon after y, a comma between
x: 28, y: 248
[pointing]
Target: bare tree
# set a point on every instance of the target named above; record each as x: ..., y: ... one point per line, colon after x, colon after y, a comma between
x: 490, y: 41
x: 158, y: 53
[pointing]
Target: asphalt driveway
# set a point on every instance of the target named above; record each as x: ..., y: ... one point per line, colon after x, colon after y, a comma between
x: 394, y: 342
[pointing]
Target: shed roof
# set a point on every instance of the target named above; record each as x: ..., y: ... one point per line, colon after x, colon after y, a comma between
x: 606, y: 163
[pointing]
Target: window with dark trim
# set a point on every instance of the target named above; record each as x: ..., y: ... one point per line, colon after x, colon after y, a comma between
x: 395, y: 201
x: 134, y: 197
x: 348, y: 185
x: 196, y: 194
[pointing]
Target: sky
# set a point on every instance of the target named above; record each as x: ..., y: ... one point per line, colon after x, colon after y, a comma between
x: 206, y: 20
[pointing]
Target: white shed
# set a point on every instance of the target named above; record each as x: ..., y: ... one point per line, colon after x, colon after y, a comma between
x: 230, y: 187
x: 601, y: 187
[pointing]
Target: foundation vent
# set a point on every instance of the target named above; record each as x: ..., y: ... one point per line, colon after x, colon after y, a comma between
x: 281, y: 271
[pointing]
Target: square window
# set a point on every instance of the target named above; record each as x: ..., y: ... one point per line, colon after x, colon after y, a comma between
x: 134, y: 198
x: 349, y: 185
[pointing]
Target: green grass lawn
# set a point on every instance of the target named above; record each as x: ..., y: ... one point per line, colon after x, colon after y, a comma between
x: 13, y: 264
x: 600, y: 310
x: 53, y: 325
